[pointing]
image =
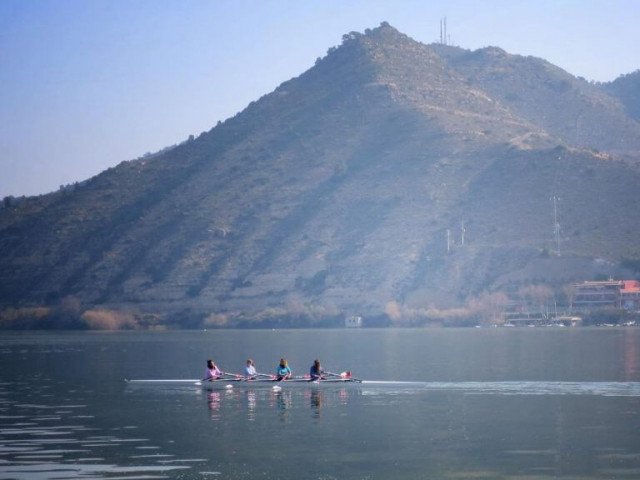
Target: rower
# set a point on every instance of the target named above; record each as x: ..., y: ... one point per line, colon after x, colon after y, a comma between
x: 283, y: 371
x: 316, y: 372
x: 213, y: 372
x: 250, y: 370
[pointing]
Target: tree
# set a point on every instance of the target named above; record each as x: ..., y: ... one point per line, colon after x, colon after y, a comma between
x: 536, y: 297
x: 490, y: 307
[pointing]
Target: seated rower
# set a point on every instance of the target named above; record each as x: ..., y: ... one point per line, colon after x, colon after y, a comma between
x: 283, y: 371
x: 316, y: 372
x: 213, y: 372
x: 250, y: 370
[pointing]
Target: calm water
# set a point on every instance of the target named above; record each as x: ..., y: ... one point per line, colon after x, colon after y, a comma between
x: 478, y: 404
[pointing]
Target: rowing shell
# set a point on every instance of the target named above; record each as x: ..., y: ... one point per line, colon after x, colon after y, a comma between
x: 268, y: 382
x: 228, y: 383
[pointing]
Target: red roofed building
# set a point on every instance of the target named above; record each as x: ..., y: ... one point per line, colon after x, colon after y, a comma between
x: 630, y: 295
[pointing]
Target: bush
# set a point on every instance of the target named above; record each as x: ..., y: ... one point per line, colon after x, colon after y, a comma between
x: 109, y: 320
x: 25, y: 318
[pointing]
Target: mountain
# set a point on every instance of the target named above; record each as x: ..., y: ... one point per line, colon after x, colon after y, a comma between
x: 577, y: 112
x: 627, y: 89
x: 335, y: 194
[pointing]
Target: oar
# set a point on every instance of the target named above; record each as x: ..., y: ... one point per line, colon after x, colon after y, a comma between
x: 277, y: 387
x: 223, y: 374
x: 345, y: 375
x: 267, y: 375
x: 208, y: 379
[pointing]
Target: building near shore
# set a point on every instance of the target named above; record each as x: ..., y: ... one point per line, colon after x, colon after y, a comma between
x: 353, y: 321
x: 606, y: 294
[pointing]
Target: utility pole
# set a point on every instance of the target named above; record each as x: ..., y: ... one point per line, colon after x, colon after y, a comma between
x: 445, y: 30
x: 462, y: 231
x: 556, y: 225
x: 448, y: 241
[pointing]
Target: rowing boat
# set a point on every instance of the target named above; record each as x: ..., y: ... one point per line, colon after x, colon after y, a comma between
x: 272, y: 382
x: 231, y: 382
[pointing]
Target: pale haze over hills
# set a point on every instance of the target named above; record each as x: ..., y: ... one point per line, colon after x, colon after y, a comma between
x: 391, y: 179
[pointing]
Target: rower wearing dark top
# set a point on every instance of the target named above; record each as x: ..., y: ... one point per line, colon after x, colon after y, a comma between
x: 316, y: 371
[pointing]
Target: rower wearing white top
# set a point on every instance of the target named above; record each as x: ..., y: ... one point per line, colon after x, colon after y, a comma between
x: 250, y: 370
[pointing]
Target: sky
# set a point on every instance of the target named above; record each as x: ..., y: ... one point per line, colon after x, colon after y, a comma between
x: 86, y: 84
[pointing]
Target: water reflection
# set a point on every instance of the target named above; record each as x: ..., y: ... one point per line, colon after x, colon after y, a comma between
x: 630, y: 355
x: 252, y: 400
x: 214, y: 401
x: 316, y: 398
x: 36, y: 444
x: 255, y: 403
x: 283, y: 400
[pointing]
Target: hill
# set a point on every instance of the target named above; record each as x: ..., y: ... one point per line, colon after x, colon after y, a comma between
x: 627, y: 89
x: 335, y: 194
x: 575, y: 111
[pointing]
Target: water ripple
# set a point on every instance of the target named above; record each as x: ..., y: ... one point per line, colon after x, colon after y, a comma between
x: 608, y: 389
x: 41, y: 440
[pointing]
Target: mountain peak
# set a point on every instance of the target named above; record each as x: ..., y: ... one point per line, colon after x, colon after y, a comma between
x: 380, y: 33
x: 382, y: 36
x: 385, y: 34
x: 384, y: 30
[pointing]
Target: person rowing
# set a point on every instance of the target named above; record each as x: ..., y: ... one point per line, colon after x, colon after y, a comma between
x: 213, y: 372
x: 283, y: 371
x: 250, y: 370
x: 316, y: 372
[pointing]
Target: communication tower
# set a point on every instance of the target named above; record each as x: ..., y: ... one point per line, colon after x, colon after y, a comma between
x: 443, y: 31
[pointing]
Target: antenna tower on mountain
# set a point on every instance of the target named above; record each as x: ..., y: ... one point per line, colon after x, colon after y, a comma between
x: 443, y: 31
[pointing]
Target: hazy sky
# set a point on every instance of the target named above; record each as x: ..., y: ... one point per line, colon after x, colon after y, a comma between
x: 85, y: 84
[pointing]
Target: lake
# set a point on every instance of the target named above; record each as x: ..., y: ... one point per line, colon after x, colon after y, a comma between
x: 510, y: 403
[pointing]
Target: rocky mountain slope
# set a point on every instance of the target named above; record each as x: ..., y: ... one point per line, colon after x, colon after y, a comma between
x: 346, y: 189
x: 576, y: 112
x: 627, y: 89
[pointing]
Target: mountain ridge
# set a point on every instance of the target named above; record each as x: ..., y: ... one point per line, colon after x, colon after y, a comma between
x: 627, y: 89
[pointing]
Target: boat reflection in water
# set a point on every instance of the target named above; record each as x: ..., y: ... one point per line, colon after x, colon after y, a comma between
x: 251, y: 405
x: 260, y: 402
x: 283, y: 401
x: 316, y: 398
x: 213, y: 399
